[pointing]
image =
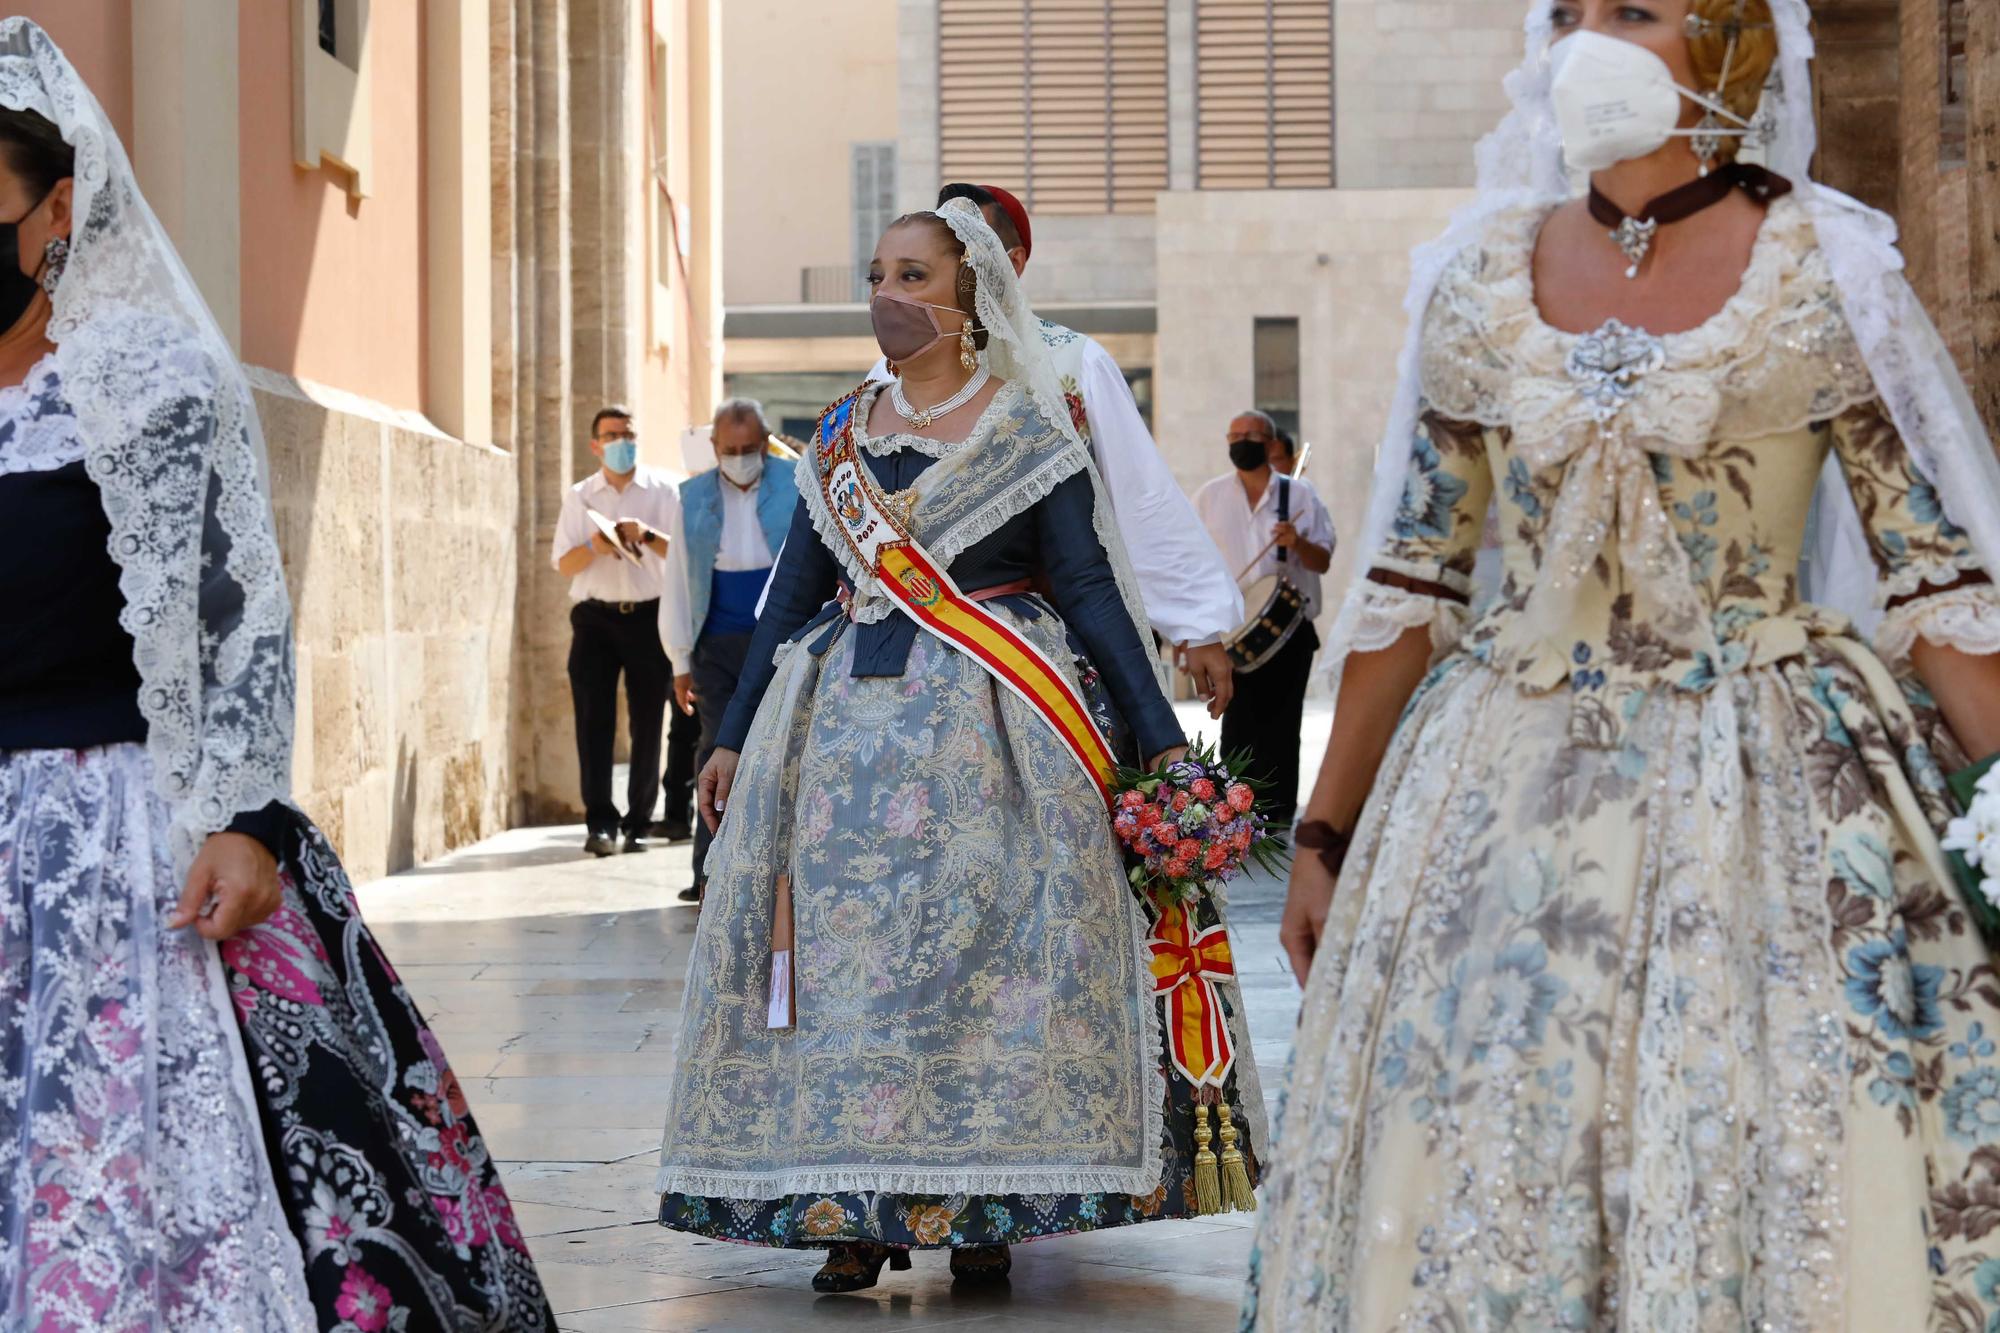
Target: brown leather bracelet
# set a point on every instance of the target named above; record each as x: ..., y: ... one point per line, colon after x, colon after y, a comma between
x: 1325, y: 841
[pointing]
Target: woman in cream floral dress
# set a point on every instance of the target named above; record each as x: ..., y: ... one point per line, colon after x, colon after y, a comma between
x: 1647, y: 999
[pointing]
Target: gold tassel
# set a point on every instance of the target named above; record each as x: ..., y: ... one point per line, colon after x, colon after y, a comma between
x: 1207, y: 1189
x: 1235, y: 1171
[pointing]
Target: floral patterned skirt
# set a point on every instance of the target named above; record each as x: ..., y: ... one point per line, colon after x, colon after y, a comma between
x: 930, y: 1221
x: 260, y: 1137
x: 977, y: 1056
x: 1680, y: 1029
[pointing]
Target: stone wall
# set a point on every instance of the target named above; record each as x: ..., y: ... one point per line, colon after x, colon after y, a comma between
x: 398, y: 545
x: 1338, y: 260
x: 1416, y: 83
x: 1878, y: 85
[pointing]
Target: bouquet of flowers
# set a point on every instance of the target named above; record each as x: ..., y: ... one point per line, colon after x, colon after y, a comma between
x: 1973, y: 839
x: 1186, y: 827
x: 1190, y: 824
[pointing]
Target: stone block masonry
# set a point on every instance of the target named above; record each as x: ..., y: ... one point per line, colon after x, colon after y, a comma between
x: 398, y: 545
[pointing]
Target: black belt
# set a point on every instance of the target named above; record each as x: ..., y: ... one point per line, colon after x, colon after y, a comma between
x: 621, y: 608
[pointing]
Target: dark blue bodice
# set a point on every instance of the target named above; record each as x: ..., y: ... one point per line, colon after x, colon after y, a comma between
x: 1054, y: 539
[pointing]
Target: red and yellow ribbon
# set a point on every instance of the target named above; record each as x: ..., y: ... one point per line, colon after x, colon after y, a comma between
x: 1186, y: 964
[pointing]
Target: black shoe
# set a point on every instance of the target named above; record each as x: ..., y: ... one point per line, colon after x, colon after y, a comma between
x: 857, y: 1266
x: 670, y: 831
x: 637, y: 842
x: 601, y: 844
x: 690, y: 894
x: 981, y: 1263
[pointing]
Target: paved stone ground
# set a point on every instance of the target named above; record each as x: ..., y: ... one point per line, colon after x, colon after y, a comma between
x: 554, y: 982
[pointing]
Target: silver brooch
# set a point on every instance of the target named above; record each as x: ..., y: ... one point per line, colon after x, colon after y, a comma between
x: 1609, y: 365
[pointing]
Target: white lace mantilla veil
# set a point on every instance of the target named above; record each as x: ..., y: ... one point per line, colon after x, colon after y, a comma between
x: 1520, y: 164
x: 1016, y: 352
x: 172, y: 441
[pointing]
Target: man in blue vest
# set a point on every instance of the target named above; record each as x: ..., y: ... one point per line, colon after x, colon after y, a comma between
x: 726, y: 536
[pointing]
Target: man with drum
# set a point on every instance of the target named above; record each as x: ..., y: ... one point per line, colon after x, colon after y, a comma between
x: 1277, y: 537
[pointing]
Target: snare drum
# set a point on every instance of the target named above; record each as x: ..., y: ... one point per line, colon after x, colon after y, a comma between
x: 1280, y: 608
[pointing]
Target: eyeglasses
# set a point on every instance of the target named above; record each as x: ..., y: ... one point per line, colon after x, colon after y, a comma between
x: 614, y: 436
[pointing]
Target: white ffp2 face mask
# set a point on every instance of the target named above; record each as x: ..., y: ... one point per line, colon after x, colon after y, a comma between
x: 743, y: 469
x: 1615, y: 101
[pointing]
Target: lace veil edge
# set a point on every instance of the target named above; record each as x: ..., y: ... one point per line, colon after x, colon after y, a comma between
x: 173, y: 442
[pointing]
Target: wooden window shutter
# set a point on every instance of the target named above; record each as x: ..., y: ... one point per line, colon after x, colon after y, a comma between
x: 1062, y: 101
x: 1264, y: 94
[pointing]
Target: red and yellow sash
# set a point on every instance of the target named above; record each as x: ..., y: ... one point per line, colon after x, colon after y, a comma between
x: 881, y: 540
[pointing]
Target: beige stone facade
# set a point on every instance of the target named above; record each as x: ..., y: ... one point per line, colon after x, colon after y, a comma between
x: 537, y: 231
x: 405, y: 673
x: 1418, y: 83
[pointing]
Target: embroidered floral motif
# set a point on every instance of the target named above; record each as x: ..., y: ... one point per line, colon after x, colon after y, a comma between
x: 381, y: 1170
x: 134, y: 1191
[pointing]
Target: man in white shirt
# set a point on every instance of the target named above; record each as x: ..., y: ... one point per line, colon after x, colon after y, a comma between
x: 1183, y: 582
x: 1267, y: 523
x: 730, y: 524
x: 614, y: 593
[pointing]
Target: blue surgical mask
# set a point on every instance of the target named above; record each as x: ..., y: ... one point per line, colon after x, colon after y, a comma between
x: 621, y: 456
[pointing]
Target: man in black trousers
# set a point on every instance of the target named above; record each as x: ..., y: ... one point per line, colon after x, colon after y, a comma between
x: 730, y: 527
x: 1269, y: 523
x: 676, y: 822
x: 610, y: 540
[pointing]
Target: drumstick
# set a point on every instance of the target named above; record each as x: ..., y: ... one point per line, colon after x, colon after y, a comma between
x: 1297, y: 468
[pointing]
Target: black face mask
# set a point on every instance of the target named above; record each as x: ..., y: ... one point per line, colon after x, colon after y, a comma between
x: 17, y: 289
x: 1248, y: 455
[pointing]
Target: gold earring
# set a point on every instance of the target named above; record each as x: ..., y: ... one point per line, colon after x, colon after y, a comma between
x: 968, y: 350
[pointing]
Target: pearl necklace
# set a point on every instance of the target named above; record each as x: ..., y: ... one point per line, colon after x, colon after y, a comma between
x: 923, y: 419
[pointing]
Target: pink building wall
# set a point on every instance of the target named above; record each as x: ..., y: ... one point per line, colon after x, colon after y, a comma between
x: 96, y: 35
x: 332, y: 288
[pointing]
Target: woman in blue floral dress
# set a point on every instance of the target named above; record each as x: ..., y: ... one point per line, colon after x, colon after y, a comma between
x: 977, y: 1057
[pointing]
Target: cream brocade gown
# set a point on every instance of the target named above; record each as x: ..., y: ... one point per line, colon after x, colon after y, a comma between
x: 1646, y: 1001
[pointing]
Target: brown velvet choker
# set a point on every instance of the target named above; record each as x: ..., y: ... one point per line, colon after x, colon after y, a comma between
x: 1634, y: 233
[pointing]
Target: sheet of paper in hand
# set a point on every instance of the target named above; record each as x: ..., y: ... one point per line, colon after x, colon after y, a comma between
x: 610, y: 530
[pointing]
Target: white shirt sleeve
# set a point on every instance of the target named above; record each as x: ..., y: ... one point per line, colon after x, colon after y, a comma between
x: 572, y: 528
x: 676, y: 615
x: 1189, y: 594
x: 1317, y: 526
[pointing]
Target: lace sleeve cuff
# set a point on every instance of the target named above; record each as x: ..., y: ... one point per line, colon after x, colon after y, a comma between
x: 1379, y: 612
x: 1966, y: 617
